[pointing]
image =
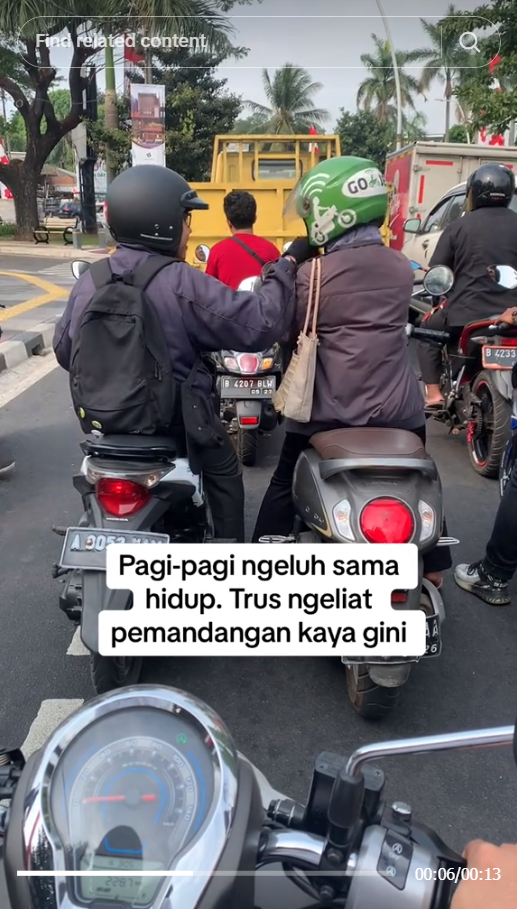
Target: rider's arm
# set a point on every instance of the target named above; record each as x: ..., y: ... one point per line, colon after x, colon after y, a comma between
x: 499, y: 864
x: 217, y: 317
x: 444, y: 252
x: 62, y: 342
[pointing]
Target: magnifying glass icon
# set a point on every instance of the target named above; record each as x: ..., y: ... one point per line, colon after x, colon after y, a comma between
x: 473, y: 42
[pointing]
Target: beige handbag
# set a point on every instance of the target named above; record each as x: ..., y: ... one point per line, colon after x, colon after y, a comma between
x: 295, y: 395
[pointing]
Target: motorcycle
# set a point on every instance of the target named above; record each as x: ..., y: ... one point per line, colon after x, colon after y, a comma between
x: 134, y: 489
x: 191, y: 822
x: 375, y: 486
x: 246, y: 383
x: 476, y: 384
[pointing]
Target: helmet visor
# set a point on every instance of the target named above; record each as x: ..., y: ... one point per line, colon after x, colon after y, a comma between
x: 291, y: 207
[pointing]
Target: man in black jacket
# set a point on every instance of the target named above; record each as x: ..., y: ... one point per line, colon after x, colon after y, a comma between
x: 486, y: 236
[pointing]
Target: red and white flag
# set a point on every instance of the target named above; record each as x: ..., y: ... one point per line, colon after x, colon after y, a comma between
x: 313, y: 132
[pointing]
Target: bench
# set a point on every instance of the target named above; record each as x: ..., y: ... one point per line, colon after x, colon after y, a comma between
x: 53, y: 224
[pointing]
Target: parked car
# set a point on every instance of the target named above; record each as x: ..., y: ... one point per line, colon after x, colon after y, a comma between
x: 423, y: 235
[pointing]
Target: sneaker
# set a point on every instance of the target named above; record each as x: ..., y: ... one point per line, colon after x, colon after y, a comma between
x: 477, y: 581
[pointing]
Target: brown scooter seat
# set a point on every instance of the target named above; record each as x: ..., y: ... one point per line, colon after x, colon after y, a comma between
x: 367, y: 443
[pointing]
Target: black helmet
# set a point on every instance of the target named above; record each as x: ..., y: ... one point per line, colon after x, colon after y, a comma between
x: 147, y: 206
x: 489, y: 186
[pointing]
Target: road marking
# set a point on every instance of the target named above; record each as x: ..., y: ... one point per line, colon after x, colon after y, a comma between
x: 50, y: 715
x: 53, y: 292
x: 77, y: 647
x: 14, y: 382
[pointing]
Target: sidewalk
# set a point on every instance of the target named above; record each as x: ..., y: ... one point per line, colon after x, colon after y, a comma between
x: 52, y: 251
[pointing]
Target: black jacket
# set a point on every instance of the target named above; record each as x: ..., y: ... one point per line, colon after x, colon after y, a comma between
x: 469, y: 246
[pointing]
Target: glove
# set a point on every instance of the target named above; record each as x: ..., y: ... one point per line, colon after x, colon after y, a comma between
x: 300, y: 250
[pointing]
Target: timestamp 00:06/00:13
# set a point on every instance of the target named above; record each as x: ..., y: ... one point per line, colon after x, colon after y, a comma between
x: 458, y: 874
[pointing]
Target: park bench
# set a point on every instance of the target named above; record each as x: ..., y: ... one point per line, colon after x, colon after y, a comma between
x: 54, y: 224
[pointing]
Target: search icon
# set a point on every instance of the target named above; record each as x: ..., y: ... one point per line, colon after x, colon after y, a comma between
x: 471, y: 46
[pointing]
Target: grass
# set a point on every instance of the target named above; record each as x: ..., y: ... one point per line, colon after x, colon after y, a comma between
x: 8, y: 231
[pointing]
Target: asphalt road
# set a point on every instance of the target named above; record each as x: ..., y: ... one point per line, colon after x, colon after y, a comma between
x: 282, y: 712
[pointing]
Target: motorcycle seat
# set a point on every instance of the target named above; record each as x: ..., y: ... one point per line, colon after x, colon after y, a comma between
x: 368, y: 443
x: 131, y: 446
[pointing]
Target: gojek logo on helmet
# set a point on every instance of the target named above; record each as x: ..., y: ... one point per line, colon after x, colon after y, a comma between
x: 365, y: 184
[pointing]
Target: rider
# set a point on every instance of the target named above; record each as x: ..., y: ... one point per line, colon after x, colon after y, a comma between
x: 469, y: 246
x: 149, y: 211
x: 244, y: 254
x: 364, y: 375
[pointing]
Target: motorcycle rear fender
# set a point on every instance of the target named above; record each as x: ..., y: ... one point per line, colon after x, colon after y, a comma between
x: 249, y: 409
x: 315, y: 498
x: 96, y: 598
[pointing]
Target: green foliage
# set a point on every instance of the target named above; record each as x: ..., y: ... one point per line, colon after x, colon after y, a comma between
x: 7, y: 230
x: 253, y: 125
x: 290, y: 101
x: 458, y: 133
x: 365, y: 135
x: 377, y: 93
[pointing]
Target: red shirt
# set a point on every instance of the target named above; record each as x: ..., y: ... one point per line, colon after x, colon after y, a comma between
x: 231, y: 264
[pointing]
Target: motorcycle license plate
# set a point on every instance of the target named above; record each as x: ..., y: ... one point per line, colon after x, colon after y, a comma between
x: 433, y: 648
x: 235, y: 387
x: 499, y: 357
x: 85, y: 548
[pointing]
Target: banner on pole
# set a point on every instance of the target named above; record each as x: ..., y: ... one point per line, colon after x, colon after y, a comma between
x: 148, y: 124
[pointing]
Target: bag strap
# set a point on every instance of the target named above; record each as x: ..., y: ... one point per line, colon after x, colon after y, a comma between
x: 314, y: 297
x: 144, y: 274
x: 101, y: 273
x: 250, y: 251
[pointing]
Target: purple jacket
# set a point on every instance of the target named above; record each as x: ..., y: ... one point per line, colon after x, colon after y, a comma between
x: 198, y: 313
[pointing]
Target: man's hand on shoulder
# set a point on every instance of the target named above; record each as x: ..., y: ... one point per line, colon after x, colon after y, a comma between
x: 299, y: 251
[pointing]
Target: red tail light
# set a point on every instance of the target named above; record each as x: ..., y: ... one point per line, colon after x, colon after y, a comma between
x: 387, y: 521
x: 121, y: 497
x: 399, y: 596
x: 248, y: 363
x: 248, y: 421
x: 508, y: 342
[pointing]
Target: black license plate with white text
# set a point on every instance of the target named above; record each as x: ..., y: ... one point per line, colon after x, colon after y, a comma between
x: 499, y: 357
x: 235, y: 387
x: 85, y: 548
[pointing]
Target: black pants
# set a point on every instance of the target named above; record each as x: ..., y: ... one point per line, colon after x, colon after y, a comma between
x: 429, y: 355
x: 222, y: 478
x: 501, y: 551
x: 277, y: 512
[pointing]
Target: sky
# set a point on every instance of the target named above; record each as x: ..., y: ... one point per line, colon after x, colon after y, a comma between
x: 328, y: 43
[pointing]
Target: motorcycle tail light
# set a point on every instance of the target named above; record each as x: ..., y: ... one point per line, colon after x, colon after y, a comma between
x: 231, y: 363
x: 387, y: 521
x: 121, y: 498
x: 508, y: 342
x: 399, y: 596
x: 249, y: 421
x: 248, y: 362
x: 428, y: 521
x: 341, y: 514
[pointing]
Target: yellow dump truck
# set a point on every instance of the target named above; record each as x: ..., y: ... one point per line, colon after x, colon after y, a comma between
x: 266, y: 166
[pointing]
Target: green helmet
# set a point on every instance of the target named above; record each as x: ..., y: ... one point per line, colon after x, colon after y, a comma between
x: 338, y: 195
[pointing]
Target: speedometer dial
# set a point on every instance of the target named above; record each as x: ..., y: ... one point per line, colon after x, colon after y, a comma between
x: 140, y: 784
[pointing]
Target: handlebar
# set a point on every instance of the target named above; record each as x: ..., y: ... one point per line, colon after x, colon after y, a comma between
x: 427, y: 334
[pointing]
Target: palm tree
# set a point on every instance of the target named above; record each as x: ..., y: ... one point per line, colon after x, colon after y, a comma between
x: 444, y: 60
x: 414, y: 127
x: 378, y: 91
x: 290, y: 95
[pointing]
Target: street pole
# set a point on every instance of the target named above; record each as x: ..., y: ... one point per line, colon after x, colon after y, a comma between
x: 395, y: 73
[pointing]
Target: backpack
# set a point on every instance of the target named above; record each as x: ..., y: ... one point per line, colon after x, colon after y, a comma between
x: 120, y: 368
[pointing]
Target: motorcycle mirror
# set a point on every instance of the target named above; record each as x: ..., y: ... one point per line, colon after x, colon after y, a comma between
x: 78, y: 267
x: 202, y: 252
x: 250, y: 285
x: 438, y: 280
x: 504, y: 275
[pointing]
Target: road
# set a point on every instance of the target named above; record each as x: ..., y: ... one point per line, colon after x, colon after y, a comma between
x: 282, y: 712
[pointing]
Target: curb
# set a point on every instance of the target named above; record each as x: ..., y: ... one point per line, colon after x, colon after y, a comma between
x: 31, y: 344
x: 89, y: 255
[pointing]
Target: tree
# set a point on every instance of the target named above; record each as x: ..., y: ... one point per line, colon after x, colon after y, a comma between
x: 364, y: 135
x: 414, y: 127
x: 445, y: 60
x: 487, y: 107
x: 28, y: 73
x: 378, y: 92
x: 197, y: 107
x: 256, y: 124
x: 290, y: 101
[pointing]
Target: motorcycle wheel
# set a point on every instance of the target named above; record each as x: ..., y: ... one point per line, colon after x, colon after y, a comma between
x: 508, y: 459
x: 369, y: 700
x: 486, y: 452
x: 247, y: 446
x: 109, y: 673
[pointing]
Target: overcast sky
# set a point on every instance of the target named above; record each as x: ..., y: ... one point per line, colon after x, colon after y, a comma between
x: 329, y: 44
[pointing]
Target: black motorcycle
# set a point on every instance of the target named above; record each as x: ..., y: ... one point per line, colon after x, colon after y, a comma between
x: 140, y: 799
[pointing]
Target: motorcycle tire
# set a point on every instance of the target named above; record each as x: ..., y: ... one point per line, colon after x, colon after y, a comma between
x: 370, y: 701
x: 109, y: 673
x: 247, y: 446
x: 487, y: 462
x: 508, y: 459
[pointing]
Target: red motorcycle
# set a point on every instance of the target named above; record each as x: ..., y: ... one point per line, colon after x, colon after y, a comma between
x: 476, y: 380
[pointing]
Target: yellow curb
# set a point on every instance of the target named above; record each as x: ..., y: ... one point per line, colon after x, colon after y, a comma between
x: 53, y: 292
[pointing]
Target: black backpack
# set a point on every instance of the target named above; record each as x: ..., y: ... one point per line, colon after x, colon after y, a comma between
x: 120, y: 369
